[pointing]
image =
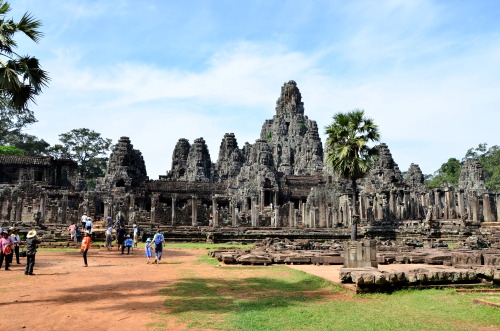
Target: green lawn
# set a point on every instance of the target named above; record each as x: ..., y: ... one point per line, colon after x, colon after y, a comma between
x: 279, y: 298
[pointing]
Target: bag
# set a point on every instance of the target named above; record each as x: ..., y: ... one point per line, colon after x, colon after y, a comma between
x: 22, y: 254
x: 7, y: 250
x: 159, y: 239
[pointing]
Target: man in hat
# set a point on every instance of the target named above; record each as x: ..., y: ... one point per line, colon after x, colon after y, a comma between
x: 31, y: 245
x: 16, y: 240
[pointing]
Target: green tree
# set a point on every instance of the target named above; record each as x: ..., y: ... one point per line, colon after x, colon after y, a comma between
x: 447, y: 175
x: 349, y: 154
x: 87, y: 148
x: 10, y: 150
x: 21, y: 76
x: 489, y: 158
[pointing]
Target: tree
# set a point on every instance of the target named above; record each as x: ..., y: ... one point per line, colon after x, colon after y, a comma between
x: 87, y: 148
x: 349, y: 154
x: 12, y: 121
x: 447, y: 175
x: 21, y: 77
x: 10, y: 150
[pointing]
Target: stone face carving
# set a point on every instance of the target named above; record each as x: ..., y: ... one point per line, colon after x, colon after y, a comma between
x: 472, y: 176
x: 199, y: 165
x: 384, y: 174
x: 230, y: 158
x: 414, y: 178
x: 179, y: 160
x: 297, y: 147
x: 126, y: 167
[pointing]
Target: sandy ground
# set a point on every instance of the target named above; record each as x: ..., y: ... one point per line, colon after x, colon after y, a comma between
x: 116, y: 292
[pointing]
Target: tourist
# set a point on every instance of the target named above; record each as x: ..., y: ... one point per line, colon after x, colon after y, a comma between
x: 120, y: 236
x: 89, y: 225
x: 118, y: 223
x: 72, y: 230
x: 109, y: 234
x: 128, y: 244
x: 85, y: 247
x: 78, y: 234
x: 148, y: 249
x: 16, y: 239
x: 31, y: 245
x: 158, y: 239
x: 83, y: 220
x: 136, y: 235
x: 7, y: 247
x: 109, y: 221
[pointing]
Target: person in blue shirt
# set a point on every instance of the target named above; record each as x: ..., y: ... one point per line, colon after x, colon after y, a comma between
x: 148, y: 249
x: 128, y: 243
x: 158, y: 241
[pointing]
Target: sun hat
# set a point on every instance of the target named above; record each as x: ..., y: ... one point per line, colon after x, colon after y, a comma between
x: 5, y: 231
x: 149, y: 239
x: 31, y: 234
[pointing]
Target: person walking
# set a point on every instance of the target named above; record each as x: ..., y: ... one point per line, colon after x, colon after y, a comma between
x: 128, y: 244
x: 159, y: 240
x: 72, y: 230
x: 85, y: 247
x: 136, y: 235
x: 148, y: 249
x: 7, y: 248
x: 78, y: 234
x: 120, y: 236
x: 31, y: 246
x: 109, y: 237
x: 16, y: 239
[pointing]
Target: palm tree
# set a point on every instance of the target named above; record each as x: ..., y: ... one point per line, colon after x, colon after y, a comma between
x: 348, y: 154
x: 21, y: 77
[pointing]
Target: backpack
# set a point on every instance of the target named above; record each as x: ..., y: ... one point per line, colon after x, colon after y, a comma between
x: 158, y: 239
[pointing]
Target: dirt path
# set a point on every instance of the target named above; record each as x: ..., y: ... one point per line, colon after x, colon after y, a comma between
x: 116, y: 292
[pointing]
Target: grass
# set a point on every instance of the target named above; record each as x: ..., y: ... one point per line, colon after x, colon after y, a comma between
x: 280, y: 298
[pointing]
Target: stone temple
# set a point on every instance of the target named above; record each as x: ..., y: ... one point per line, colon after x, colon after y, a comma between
x: 280, y: 185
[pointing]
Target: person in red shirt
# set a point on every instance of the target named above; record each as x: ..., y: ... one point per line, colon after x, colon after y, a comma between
x: 85, y: 247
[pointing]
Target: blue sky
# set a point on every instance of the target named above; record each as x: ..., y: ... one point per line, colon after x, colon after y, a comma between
x: 427, y: 72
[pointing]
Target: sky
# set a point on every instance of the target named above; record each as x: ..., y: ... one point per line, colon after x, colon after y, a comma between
x: 427, y: 72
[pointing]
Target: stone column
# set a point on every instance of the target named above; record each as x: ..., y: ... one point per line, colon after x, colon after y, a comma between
x: 362, y: 208
x: 276, y: 217
x: 64, y: 207
x: 174, y: 202
x: 215, y: 215
x: 488, y: 216
x: 475, y: 209
x: 254, y: 213
x: 154, y: 199
x: 235, y: 217
x: 498, y: 207
x: 291, y: 214
x: 392, y: 205
x: 461, y: 204
x: 262, y: 199
x: 43, y: 199
x: 194, y: 210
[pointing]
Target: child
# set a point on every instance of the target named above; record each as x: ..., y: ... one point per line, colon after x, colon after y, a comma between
x: 128, y: 243
x: 85, y: 247
x: 148, y: 249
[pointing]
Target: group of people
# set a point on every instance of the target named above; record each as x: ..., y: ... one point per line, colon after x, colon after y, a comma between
x: 9, y: 246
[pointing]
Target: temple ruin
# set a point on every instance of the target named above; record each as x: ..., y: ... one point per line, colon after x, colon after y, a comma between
x: 280, y: 185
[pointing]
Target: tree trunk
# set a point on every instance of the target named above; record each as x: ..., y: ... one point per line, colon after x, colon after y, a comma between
x: 354, y: 216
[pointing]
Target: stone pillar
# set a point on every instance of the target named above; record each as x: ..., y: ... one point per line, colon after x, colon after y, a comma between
x: 303, y: 214
x: 362, y: 208
x: 392, y: 205
x: 254, y: 213
x: 475, y: 209
x: 194, y: 211
x: 43, y: 199
x: 262, y: 199
x: 291, y: 215
x: 64, y: 207
x: 487, y: 214
x: 461, y: 204
x: 498, y: 207
x: 215, y: 219
x: 276, y: 217
x: 154, y: 199
x: 235, y: 217
x: 174, y: 202
x: 360, y: 254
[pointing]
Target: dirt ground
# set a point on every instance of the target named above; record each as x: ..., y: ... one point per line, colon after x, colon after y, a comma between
x: 116, y: 292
